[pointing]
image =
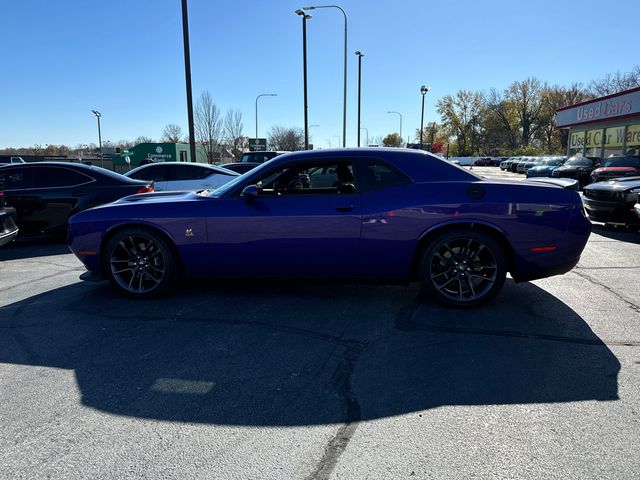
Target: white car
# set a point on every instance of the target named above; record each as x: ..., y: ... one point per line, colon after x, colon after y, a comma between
x: 182, y: 176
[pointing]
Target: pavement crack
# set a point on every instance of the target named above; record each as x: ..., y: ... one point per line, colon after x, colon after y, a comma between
x: 593, y: 281
x: 341, y: 381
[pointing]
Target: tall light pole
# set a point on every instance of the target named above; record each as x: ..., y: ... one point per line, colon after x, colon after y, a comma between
x: 398, y: 113
x: 187, y: 78
x: 367, y: 130
x: 98, y: 115
x: 360, y: 55
x: 344, y: 94
x: 423, y: 90
x: 305, y: 17
x: 261, y: 95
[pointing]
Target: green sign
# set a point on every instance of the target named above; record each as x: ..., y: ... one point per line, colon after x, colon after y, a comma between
x: 258, y: 144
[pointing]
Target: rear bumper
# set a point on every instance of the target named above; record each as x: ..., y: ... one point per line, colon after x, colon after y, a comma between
x: 531, y: 265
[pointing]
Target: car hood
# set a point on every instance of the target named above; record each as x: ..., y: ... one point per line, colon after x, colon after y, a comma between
x: 613, y: 170
x: 620, y: 184
x: 542, y: 168
x: 151, y: 198
x: 572, y: 168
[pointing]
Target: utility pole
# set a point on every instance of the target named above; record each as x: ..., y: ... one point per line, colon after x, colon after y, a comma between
x: 187, y: 77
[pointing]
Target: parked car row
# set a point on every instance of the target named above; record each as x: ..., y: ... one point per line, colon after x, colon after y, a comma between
x: 524, y: 164
x: 489, y: 161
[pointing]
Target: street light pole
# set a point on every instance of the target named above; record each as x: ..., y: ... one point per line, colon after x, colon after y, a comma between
x: 187, y: 77
x: 398, y: 113
x: 305, y: 17
x: 344, y: 94
x: 261, y: 95
x: 98, y: 115
x: 360, y: 55
x: 423, y: 90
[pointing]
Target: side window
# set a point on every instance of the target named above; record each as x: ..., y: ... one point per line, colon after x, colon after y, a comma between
x: 157, y: 173
x: 15, y: 178
x: 190, y: 172
x: 378, y: 175
x: 310, y: 179
x: 52, y: 177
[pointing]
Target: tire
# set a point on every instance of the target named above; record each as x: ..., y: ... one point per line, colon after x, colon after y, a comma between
x: 140, y: 263
x: 463, y: 268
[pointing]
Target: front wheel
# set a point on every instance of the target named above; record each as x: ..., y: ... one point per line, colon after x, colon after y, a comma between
x: 463, y: 268
x: 140, y: 263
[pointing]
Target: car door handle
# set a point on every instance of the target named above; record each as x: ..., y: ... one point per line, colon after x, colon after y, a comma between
x: 78, y: 193
x: 347, y: 208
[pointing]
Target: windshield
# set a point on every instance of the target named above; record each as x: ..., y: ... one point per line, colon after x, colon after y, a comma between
x: 553, y: 162
x: 579, y: 162
x: 622, y: 162
x: 229, y: 186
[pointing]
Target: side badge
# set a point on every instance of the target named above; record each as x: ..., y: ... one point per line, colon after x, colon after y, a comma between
x: 188, y: 232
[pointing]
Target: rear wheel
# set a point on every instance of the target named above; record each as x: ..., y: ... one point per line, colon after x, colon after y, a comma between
x: 463, y: 268
x: 140, y: 263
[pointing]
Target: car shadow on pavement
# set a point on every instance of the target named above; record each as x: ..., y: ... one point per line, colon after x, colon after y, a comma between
x: 288, y: 354
x: 614, y: 233
x: 28, y: 248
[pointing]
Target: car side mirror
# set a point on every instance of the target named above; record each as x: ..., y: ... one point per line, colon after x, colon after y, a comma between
x: 250, y: 193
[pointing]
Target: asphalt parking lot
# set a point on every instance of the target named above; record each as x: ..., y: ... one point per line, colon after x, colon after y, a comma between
x: 247, y: 380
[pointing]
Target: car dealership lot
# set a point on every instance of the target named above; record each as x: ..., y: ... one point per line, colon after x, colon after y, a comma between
x: 312, y: 380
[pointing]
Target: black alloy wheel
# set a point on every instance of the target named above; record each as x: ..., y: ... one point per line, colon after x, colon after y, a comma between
x: 140, y: 263
x: 463, y: 268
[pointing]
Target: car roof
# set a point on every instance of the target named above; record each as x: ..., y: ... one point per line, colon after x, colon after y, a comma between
x: 411, y: 161
x: 215, y: 168
x: 88, y: 169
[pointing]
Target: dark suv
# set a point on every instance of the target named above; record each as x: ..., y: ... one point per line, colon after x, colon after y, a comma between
x: 251, y: 160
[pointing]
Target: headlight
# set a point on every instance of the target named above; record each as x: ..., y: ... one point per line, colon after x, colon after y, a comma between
x: 632, y: 195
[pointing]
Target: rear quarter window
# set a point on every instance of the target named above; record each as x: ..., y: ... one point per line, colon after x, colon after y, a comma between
x: 15, y: 178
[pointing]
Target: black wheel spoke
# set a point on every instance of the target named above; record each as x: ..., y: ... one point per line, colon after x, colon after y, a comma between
x: 138, y: 264
x: 463, y: 269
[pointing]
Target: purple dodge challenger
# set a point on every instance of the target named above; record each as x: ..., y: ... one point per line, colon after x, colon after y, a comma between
x: 390, y: 215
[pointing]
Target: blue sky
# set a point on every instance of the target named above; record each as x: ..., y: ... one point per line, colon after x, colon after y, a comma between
x: 124, y: 57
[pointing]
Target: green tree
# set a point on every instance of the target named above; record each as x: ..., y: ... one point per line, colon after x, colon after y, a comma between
x: 392, y: 140
x: 460, y: 113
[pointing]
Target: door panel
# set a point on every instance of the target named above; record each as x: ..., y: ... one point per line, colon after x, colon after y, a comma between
x: 288, y: 236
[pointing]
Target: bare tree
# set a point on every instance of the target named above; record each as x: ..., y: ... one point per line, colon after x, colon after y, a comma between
x: 287, y: 139
x: 615, y: 82
x: 556, y: 97
x: 208, y: 125
x: 526, y: 99
x: 172, y: 133
x: 233, y: 132
x: 143, y: 139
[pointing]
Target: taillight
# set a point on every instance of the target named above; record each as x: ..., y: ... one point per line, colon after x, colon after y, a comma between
x: 146, y: 189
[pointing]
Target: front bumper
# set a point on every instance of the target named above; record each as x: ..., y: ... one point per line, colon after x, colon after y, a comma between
x: 616, y: 213
x: 8, y: 227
